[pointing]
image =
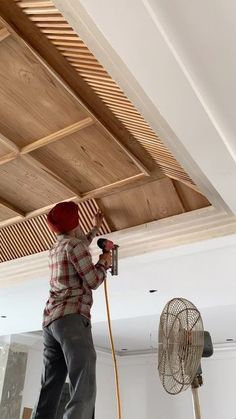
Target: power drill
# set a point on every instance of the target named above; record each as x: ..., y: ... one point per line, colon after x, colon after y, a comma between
x: 109, y: 246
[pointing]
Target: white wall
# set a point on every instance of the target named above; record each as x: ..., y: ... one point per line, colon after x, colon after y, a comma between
x: 218, y: 394
x: 143, y: 397
x: 141, y: 393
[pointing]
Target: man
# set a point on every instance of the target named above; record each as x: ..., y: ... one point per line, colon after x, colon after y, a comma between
x: 68, y: 344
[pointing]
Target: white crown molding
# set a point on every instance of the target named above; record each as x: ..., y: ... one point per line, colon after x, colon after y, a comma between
x: 34, y: 341
x: 195, y: 226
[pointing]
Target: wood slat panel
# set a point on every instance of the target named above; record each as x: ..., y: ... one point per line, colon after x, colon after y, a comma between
x: 62, y: 25
x: 36, y: 237
x: 35, y: 4
x: 41, y: 11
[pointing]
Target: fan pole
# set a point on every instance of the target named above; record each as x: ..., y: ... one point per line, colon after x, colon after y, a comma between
x: 197, y: 382
x: 196, y: 403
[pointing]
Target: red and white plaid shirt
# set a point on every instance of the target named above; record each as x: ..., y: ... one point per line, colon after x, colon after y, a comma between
x: 73, y: 277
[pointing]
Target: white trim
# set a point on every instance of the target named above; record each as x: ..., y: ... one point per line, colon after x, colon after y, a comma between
x: 34, y: 340
x: 195, y: 226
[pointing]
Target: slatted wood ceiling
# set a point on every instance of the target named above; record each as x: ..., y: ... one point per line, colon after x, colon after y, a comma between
x: 33, y: 236
x: 50, y: 22
x: 53, y: 147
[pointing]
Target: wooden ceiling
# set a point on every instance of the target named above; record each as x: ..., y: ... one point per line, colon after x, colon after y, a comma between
x: 68, y: 132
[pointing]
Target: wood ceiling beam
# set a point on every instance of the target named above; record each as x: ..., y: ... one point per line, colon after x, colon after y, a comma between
x: 13, y: 154
x: 113, y: 187
x: 12, y: 207
x: 4, y: 33
x: 9, y: 144
x: 33, y: 161
x: 44, y: 168
x: 55, y: 136
x: 116, y: 187
x: 8, y: 157
x: 15, y: 19
x: 58, y: 135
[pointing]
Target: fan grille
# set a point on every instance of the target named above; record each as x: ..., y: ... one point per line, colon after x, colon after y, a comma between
x: 181, y: 342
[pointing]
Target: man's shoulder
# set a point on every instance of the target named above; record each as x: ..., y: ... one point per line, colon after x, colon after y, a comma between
x: 74, y: 243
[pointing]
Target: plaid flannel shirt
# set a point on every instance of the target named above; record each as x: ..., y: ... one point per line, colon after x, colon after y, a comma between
x: 73, y: 277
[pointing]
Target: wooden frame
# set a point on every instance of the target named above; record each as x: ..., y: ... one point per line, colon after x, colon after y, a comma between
x: 24, y: 153
x: 15, y: 19
x: 4, y: 33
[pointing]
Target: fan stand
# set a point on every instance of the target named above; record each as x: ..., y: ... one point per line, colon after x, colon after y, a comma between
x: 197, y: 382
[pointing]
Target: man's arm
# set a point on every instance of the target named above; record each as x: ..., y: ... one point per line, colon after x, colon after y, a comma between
x: 91, y: 234
x: 98, y: 220
x: 92, y: 274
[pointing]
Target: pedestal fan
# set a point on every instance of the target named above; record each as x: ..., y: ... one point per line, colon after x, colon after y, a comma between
x: 182, y: 344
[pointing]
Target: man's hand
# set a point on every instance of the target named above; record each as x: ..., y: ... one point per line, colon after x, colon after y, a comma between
x: 98, y: 219
x: 106, y: 258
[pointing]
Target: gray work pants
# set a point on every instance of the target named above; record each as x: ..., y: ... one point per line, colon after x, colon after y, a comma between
x: 68, y: 348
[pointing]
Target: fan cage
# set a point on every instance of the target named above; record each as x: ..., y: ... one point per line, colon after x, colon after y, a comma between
x: 181, y: 342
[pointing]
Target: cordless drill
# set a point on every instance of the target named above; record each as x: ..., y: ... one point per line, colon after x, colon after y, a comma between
x: 108, y: 246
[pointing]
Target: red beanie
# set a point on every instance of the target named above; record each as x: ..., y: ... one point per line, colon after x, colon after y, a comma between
x: 63, y: 217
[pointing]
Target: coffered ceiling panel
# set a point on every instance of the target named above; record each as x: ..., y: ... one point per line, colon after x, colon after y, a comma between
x: 68, y: 132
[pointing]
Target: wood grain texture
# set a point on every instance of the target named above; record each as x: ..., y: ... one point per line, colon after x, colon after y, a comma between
x: 10, y: 206
x: 88, y: 158
x: 142, y: 204
x: 191, y: 199
x: 19, y: 22
x: 41, y: 106
x: 7, y: 212
x: 72, y: 47
x: 86, y: 199
x: 4, y: 33
x: 28, y: 187
x: 58, y: 135
x: 50, y: 84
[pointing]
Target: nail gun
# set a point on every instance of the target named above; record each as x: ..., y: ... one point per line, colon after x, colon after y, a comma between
x: 109, y: 246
